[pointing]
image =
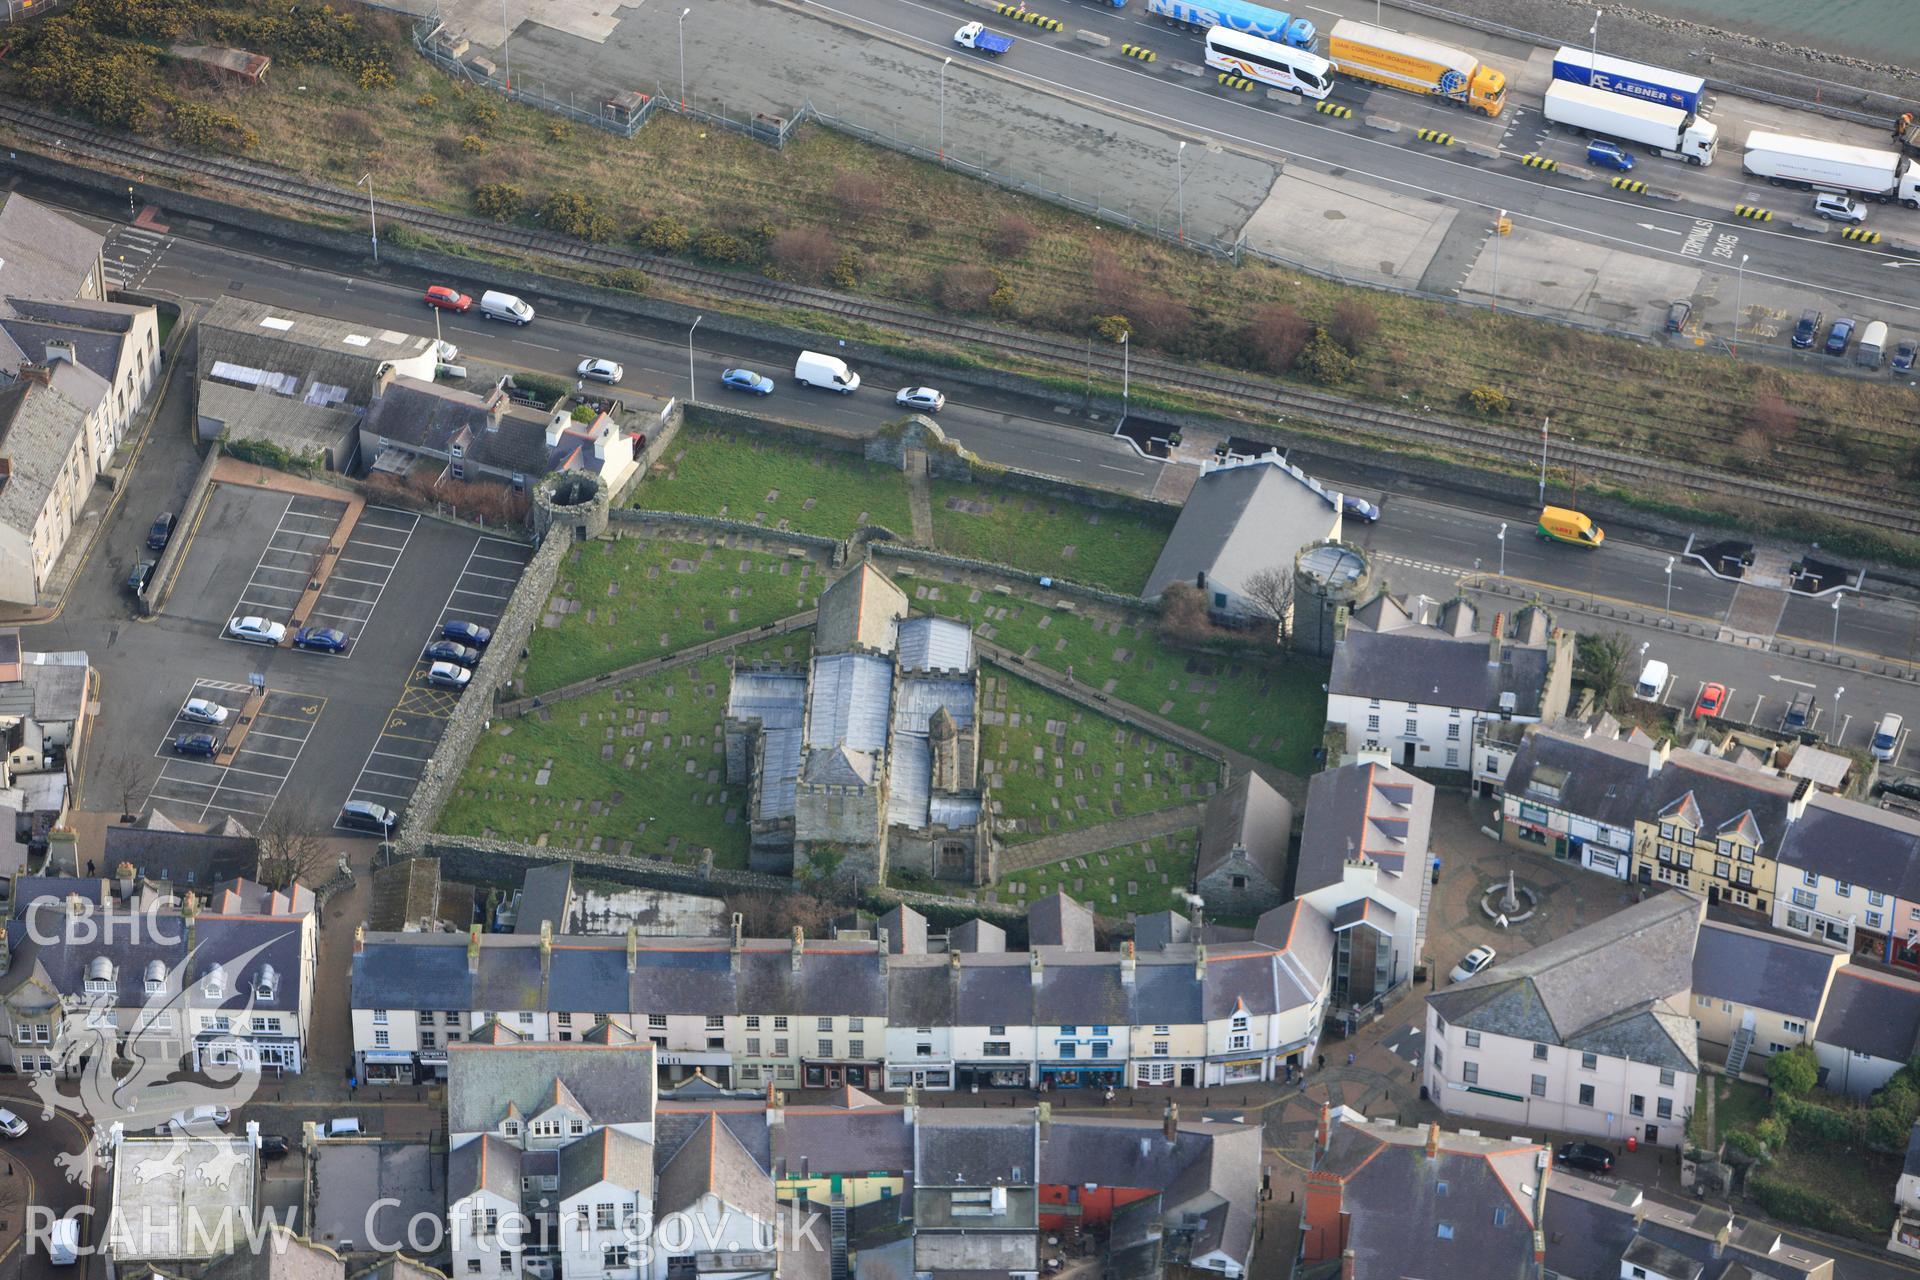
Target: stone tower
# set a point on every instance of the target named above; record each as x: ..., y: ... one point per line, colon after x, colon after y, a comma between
x: 943, y: 742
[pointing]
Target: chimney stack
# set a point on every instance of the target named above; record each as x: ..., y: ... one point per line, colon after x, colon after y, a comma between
x: 190, y: 913
x: 1034, y: 968
x: 473, y: 949
x: 1433, y: 1141
x: 124, y: 874
x: 1127, y: 962
x: 1346, y: 1264
x: 546, y: 949
x: 1323, y: 1132
x: 1493, y: 640
x: 1043, y: 1116
x: 799, y: 946
x: 881, y: 952
x: 733, y: 947
x: 776, y: 1107
x: 359, y: 939
x: 1170, y: 1122
x: 633, y: 947
x: 1199, y: 962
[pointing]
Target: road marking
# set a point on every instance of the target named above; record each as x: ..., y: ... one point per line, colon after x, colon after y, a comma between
x: 535, y: 345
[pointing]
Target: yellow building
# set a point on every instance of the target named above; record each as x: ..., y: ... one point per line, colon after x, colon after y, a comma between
x: 855, y: 1151
x: 1716, y: 828
x: 1756, y: 994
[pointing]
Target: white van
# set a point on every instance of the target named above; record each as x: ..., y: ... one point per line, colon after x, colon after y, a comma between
x: 504, y: 306
x: 829, y: 373
x: 63, y: 1242
x: 1652, y: 682
x: 1872, y: 348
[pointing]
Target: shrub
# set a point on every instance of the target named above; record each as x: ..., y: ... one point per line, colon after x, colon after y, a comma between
x: 1326, y: 361
x: 1805, y: 1206
x: 1887, y: 1129
x: 804, y: 253
x: 473, y: 145
x: 965, y: 289
x: 574, y: 213
x: 1274, y: 337
x: 373, y: 77
x: 1771, y: 418
x: 664, y: 233
x: 1113, y: 327
x: 484, y: 115
x: 426, y: 102
x: 1113, y: 284
x: 722, y: 247
x: 265, y: 453
x: 1488, y: 401
x: 1160, y: 319
x: 498, y: 200
x: 858, y: 196
x: 1743, y: 1141
x: 354, y: 126
x: 631, y: 279
x: 544, y: 390
x: 1005, y: 296
x: 195, y: 124
x: 1183, y: 615
x: 1795, y: 1072
x: 1011, y: 236
x: 559, y: 131
x: 1773, y: 1132
x: 1353, y: 324
x: 846, y: 269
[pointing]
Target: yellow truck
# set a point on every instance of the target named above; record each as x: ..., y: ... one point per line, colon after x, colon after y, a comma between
x: 1416, y: 65
x: 1557, y: 524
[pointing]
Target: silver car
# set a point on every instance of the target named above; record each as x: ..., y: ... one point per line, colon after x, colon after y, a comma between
x: 925, y: 399
x: 203, y: 711
x: 607, y: 371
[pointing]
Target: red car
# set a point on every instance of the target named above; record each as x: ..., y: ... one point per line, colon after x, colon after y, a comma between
x: 1713, y: 700
x: 448, y: 299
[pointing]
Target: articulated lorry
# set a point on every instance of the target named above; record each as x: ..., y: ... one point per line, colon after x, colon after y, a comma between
x: 1415, y: 65
x: 1657, y: 85
x: 1237, y: 15
x: 1665, y: 131
x: 1816, y: 165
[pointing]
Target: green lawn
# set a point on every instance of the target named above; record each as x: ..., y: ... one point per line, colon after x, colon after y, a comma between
x: 635, y: 769
x: 623, y: 601
x: 1272, y: 711
x: 1110, y: 549
x: 712, y: 472
x: 1150, y: 876
x: 1055, y: 766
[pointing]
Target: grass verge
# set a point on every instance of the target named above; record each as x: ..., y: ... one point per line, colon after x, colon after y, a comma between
x: 1110, y: 549
x: 1151, y: 875
x: 749, y: 477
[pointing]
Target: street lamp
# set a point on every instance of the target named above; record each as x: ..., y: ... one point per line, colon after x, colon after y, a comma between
x: 690, y: 329
x: 1503, y: 548
x: 683, y: 58
x: 1543, y: 459
x: 1593, y: 68
x: 372, y: 221
x: 1838, y: 694
x: 943, y: 109
x: 1126, y: 386
x: 130, y: 213
x: 506, y: 55
x: 1834, y: 652
x: 1669, y: 588
x: 1180, y: 184
x: 1739, y: 286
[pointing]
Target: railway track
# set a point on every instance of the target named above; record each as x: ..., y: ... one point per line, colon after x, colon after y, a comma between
x: 1258, y: 401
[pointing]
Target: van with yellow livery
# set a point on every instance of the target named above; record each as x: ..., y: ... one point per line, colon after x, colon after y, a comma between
x: 1557, y: 524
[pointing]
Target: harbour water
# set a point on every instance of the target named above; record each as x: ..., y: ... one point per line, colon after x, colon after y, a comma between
x: 1878, y: 30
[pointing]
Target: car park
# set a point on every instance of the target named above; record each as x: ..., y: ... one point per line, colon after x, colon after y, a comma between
x: 203, y: 711
x: 324, y: 639
x: 1885, y: 742
x: 256, y: 629
x: 1584, y: 1155
x: 448, y: 299
x: 471, y: 634
x: 364, y: 815
x: 140, y: 576
x: 1711, y: 702
x: 1476, y: 961
x: 448, y: 651
x: 196, y: 744
x: 1609, y: 155
x: 1806, y: 330
x: 747, y: 380
x: 1837, y: 208
x: 12, y: 1125
x: 1903, y: 356
x: 1679, y: 311
x: 925, y: 399
x: 608, y: 371
x: 1359, y: 508
x: 1799, y: 713
x: 161, y: 533
x: 446, y: 675
x: 1839, y: 336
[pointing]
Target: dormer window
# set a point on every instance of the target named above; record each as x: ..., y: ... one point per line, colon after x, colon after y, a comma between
x: 267, y: 983
x: 99, y: 976
x: 511, y: 1128
x: 214, y: 985
x: 156, y: 977
x: 1239, y: 1022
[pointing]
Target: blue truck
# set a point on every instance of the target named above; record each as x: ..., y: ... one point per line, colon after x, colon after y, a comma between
x: 1237, y: 15
x: 1657, y: 85
x: 975, y: 36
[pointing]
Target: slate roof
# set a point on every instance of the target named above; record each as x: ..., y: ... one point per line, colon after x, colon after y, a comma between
x: 46, y: 255
x: 910, y: 767
x: 1248, y: 814
x: 676, y: 1123
x: 1238, y: 520
x: 1872, y: 1014
x: 1388, y: 655
x: 94, y: 339
x: 847, y: 701
x: 1588, y: 774
x: 405, y: 894
x: 779, y: 701
x: 1363, y: 810
x: 609, y: 1155
x: 906, y: 931
x: 1166, y: 993
x: 1726, y: 795
x: 1607, y: 988
x: 922, y: 994
x: 828, y: 1140
x: 1847, y: 840
x: 995, y: 994
x: 314, y: 359
x: 38, y: 428
x: 934, y: 644
x: 1156, y: 930
x: 712, y: 1160
x: 1058, y: 921
x: 858, y: 611
x: 185, y: 857
x: 613, y: 1083
x: 545, y: 894
x: 488, y: 1163
x: 1591, y: 1226
x: 1077, y: 994
x: 965, y: 1147
x: 243, y: 947
x: 1761, y: 970
x: 977, y: 935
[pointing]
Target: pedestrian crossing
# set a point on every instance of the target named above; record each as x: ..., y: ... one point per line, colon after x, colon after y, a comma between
x: 130, y: 255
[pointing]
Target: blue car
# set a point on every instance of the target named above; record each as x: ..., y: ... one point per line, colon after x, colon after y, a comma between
x: 1903, y: 356
x: 1839, y: 336
x: 448, y: 651
x: 325, y: 639
x: 1359, y: 508
x: 196, y: 744
x: 1609, y: 155
x: 471, y: 634
x: 747, y: 380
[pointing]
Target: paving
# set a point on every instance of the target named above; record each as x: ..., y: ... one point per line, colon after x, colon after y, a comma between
x: 289, y: 559
x: 244, y: 784
x: 357, y: 578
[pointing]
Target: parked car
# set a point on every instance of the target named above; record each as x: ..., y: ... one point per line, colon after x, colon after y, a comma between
x: 161, y: 533
x: 1905, y: 788
x: 211, y: 1115
x: 1840, y: 208
x: 1806, y: 331
x: 274, y: 1146
x: 341, y: 1127
x: 256, y: 629
x: 607, y: 371
x: 1584, y: 1155
x: 747, y: 380
x: 203, y: 711
x: 12, y: 1125
x: 1799, y: 714
x: 365, y: 815
x: 1359, y: 508
x: 471, y: 634
x: 445, y: 352
x: 1886, y: 736
x: 1476, y: 961
x: 448, y: 651
x: 1609, y: 155
x: 1839, y: 336
x: 141, y: 575
x: 1678, y: 312
x: 1711, y: 702
x: 447, y: 675
x: 925, y: 399
x: 448, y: 299
x: 196, y: 744
x: 325, y: 639
x: 1903, y: 357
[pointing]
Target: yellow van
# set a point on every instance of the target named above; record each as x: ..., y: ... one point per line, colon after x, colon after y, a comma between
x: 1557, y: 524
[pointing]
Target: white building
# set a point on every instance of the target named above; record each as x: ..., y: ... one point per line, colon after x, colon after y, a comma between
x: 1848, y: 875
x: 1590, y: 1033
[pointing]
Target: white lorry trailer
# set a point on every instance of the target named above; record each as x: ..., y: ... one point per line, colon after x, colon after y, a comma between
x: 1812, y: 164
x: 1665, y: 131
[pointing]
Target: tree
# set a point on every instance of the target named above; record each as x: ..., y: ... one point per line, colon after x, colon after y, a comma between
x: 1326, y: 361
x: 1183, y: 615
x: 1795, y: 1072
x: 290, y: 850
x: 1772, y: 417
x: 1275, y: 337
x: 125, y: 774
x: 1602, y: 657
x: 1272, y: 589
x: 1353, y: 324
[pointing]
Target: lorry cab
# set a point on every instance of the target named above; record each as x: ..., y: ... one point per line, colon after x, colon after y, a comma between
x: 1558, y: 524
x: 1488, y: 92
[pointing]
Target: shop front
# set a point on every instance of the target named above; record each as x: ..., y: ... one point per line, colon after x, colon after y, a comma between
x: 1165, y: 1073
x: 388, y: 1066
x: 1235, y: 1070
x: 1000, y: 1074
x: 1083, y: 1075
x: 919, y: 1074
x: 676, y: 1068
x: 818, y: 1073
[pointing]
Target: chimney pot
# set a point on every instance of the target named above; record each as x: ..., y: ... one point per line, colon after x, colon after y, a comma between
x: 359, y: 939
x: 1170, y: 1122
x: 473, y: 949
x: 1035, y: 968
x: 633, y: 947
x: 1433, y: 1141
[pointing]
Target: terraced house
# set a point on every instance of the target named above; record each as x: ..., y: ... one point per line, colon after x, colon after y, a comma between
x: 1715, y: 827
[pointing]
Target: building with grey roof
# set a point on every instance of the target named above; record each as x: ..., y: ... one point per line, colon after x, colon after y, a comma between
x: 330, y: 434
x: 1415, y: 681
x: 1245, y: 842
x: 546, y: 899
x: 44, y: 254
x: 307, y: 358
x: 870, y: 755
x: 1575, y: 789
x: 1157, y: 929
x: 365, y: 1190
x: 1242, y: 518
x: 179, y: 1203
x: 184, y: 859
x: 1058, y: 921
x: 1869, y: 1029
x: 1847, y: 875
x: 906, y: 931
x: 1363, y: 859
x: 489, y: 1088
x: 976, y: 1200
x: 1756, y: 994
x: 1602, y: 1230
x: 1589, y: 1033
x: 47, y: 432
x: 977, y: 935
